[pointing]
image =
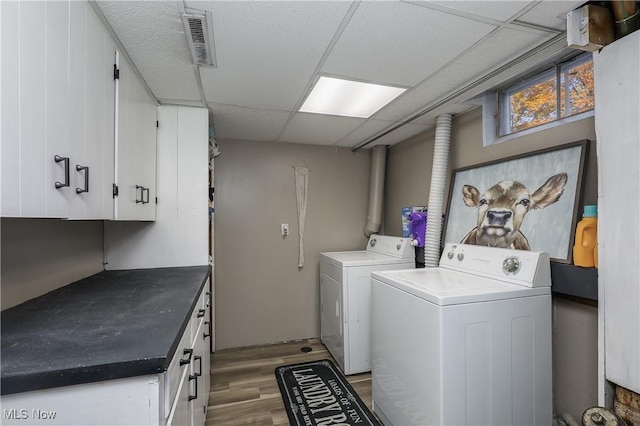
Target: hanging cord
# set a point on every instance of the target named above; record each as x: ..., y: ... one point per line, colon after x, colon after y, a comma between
x: 302, y: 185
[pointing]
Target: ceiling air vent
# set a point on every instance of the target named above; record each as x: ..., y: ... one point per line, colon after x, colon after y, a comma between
x: 199, y: 30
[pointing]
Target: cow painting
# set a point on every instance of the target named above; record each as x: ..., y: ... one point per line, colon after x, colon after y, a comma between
x: 502, y: 208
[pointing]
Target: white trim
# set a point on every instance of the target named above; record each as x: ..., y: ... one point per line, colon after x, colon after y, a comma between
x: 531, y: 130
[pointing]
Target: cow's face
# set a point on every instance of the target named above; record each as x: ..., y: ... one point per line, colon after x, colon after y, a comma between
x: 501, y: 209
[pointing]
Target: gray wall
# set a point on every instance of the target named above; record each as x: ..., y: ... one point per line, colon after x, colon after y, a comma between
x: 40, y: 255
x: 261, y: 295
x: 574, y: 324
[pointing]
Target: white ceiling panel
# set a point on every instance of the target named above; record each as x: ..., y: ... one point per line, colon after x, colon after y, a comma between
x: 551, y: 14
x: 496, y: 50
x: 164, y: 38
x: 318, y: 129
x: 400, y: 43
x: 498, y: 10
x: 247, y: 124
x: 267, y: 51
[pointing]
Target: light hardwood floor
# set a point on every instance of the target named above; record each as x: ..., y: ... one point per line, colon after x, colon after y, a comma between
x: 244, y: 388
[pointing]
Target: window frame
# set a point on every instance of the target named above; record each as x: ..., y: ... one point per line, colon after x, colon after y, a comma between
x: 499, y: 102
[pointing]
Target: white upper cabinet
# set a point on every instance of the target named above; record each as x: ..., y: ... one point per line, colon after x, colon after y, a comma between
x: 58, y: 118
x: 91, y: 105
x: 35, y: 109
x: 135, y: 148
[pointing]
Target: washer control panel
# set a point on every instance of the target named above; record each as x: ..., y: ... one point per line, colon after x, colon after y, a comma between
x: 527, y: 268
x: 392, y: 246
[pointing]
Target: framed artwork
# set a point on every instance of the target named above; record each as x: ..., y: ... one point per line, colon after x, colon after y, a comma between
x: 526, y: 202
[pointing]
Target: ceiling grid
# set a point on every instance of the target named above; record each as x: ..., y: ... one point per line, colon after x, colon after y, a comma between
x: 270, y: 54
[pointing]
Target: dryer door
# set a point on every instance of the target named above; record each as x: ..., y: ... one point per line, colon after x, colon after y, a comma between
x: 331, y: 321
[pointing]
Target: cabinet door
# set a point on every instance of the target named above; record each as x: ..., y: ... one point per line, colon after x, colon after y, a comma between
x: 617, y: 89
x: 135, y: 148
x: 34, y: 108
x: 200, y: 394
x: 91, y: 121
x: 180, y: 414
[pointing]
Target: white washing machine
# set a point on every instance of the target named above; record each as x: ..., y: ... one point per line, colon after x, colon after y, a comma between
x: 345, y: 297
x: 467, y: 343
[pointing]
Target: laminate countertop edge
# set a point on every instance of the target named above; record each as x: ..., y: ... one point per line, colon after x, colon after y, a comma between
x: 111, y: 325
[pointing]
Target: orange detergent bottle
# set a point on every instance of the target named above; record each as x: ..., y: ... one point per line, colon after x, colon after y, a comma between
x: 586, y: 241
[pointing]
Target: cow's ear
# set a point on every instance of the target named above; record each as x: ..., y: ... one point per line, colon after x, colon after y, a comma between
x: 549, y: 192
x: 471, y: 195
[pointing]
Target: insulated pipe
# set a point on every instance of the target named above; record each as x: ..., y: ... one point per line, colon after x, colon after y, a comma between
x: 627, y: 18
x: 376, y: 190
x: 433, y: 230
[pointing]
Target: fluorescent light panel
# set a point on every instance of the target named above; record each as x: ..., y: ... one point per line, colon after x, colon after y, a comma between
x: 349, y: 98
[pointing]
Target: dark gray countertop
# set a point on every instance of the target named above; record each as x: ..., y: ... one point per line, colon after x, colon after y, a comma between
x: 110, y: 325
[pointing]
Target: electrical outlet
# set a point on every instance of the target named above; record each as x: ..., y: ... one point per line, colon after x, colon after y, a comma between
x: 284, y: 229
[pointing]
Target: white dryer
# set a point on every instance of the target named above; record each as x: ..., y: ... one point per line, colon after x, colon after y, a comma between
x: 345, y: 296
x: 467, y: 343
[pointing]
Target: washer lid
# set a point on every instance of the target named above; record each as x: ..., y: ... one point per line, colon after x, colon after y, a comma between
x: 364, y: 258
x: 446, y: 287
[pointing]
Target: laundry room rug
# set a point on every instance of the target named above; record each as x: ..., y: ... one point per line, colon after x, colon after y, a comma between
x: 316, y: 393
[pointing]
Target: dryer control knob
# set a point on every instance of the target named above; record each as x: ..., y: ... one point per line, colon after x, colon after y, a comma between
x: 450, y: 254
x: 460, y: 256
x: 511, y: 265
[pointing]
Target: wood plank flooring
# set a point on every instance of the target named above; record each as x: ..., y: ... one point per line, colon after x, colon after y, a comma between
x: 244, y: 388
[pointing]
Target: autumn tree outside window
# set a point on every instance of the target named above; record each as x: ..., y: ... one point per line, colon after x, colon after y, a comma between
x: 563, y: 91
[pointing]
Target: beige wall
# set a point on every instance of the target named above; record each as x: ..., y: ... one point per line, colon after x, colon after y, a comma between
x: 574, y: 324
x: 261, y: 295
x: 40, y: 255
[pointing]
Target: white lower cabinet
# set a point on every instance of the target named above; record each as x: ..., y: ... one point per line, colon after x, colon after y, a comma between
x: 177, y: 397
x: 189, y: 406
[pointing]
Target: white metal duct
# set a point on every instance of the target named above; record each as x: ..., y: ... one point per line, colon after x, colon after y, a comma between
x: 376, y: 189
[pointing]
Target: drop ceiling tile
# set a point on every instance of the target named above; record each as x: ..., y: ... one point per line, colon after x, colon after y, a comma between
x: 552, y: 14
x: 400, y: 43
x: 494, y: 51
x: 164, y: 37
x: 498, y: 10
x: 267, y: 51
x: 318, y: 129
x: 247, y: 124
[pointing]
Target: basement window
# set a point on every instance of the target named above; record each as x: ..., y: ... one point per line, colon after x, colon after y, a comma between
x: 553, y: 97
